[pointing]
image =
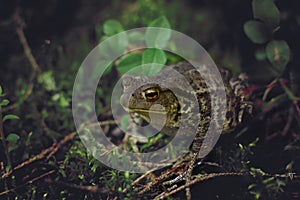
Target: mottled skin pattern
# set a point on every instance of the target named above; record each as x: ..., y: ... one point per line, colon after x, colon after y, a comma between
x: 138, y: 103
x: 140, y: 100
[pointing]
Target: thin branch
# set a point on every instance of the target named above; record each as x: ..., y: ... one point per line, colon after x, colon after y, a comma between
x: 92, y: 188
x: 27, y: 51
x: 30, y: 181
x: 50, y: 151
x: 197, y: 180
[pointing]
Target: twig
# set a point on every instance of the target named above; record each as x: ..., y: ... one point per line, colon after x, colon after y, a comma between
x: 197, y: 180
x: 92, y: 189
x: 31, y: 181
x: 50, y: 151
x: 136, y: 181
x: 168, y: 173
x: 291, y: 176
x: 288, y: 123
x: 27, y: 51
x: 61, y: 143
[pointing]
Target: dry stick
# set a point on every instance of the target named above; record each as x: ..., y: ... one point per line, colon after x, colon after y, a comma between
x: 289, y: 122
x: 210, y: 176
x: 50, y: 151
x: 92, y: 188
x: 27, y: 51
x: 61, y: 143
x: 159, y: 179
x: 31, y: 181
x: 213, y: 175
x: 41, y: 155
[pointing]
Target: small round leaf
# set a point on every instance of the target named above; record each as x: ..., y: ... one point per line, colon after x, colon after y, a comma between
x: 266, y: 11
x: 158, y: 37
x: 4, y: 102
x: 154, y: 57
x: 112, y: 27
x: 129, y: 62
x: 12, y: 137
x: 278, y: 53
x: 260, y: 54
x: 257, y: 32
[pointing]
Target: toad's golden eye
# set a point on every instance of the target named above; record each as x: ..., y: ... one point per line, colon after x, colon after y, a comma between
x: 151, y: 94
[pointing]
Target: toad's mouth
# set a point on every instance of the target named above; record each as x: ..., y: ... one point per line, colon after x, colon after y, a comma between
x: 146, y: 111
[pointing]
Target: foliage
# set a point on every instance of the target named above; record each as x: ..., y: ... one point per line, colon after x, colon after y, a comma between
x: 261, y: 30
x: 37, y: 116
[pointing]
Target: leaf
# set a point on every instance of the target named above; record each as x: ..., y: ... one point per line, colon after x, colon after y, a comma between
x: 124, y: 122
x: 4, y: 102
x: 12, y: 137
x: 63, y: 101
x: 260, y: 54
x: 161, y: 22
x: 48, y: 81
x: 12, y: 147
x: 108, y: 68
x: 8, y: 117
x: 278, y: 53
x: 154, y: 56
x: 257, y: 32
x: 266, y: 11
x: 112, y: 27
x: 129, y: 62
x: 156, y: 37
x: 1, y: 90
x: 115, y: 46
x: 136, y: 36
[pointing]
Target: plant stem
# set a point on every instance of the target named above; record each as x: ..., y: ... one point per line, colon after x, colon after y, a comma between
x: 2, y: 136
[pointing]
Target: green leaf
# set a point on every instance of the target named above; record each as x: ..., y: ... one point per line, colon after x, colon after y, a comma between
x: 154, y: 56
x: 12, y: 137
x: 260, y: 54
x: 112, y: 27
x: 257, y: 32
x: 63, y: 101
x: 108, y: 68
x: 129, y: 62
x: 266, y: 11
x: 4, y: 102
x: 8, y: 117
x: 161, y: 22
x: 12, y: 147
x: 124, y: 122
x: 1, y: 90
x: 113, y: 46
x: 47, y: 79
x: 136, y: 36
x: 278, y: 53
x: 158, y: 37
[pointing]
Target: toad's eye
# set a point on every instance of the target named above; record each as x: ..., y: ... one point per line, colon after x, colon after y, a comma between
x: 151, y: 94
